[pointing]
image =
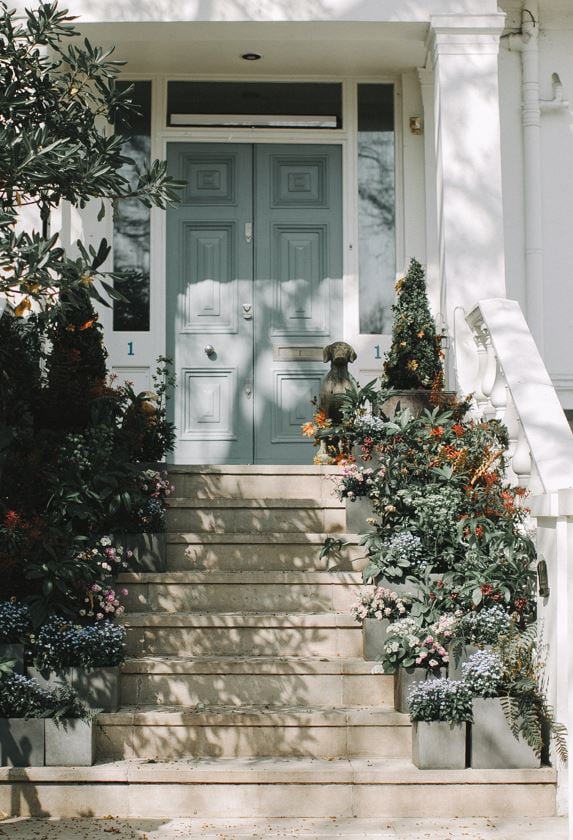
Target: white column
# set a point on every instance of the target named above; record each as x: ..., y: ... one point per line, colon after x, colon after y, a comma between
x: 426, y: 77
x: 464, y: 55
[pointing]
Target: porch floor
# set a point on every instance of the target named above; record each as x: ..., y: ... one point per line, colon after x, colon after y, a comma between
x: 323, y: 829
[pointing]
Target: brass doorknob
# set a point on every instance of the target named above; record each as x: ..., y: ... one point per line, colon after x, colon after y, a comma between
x: 209, y: 350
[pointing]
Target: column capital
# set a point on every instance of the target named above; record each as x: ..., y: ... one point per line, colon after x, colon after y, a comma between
x: 465, y: 34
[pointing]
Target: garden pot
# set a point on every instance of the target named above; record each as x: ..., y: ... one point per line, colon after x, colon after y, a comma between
x: 98, y: 688
x: 493, y: 745
x: 13, y: 652
x: 437, y: 745
x: 409, y: 587
x: 417, y: 401
x: 357, y: 512
x: 70, y: 742
x: 405, y: 678
x: 22, y: 742
x: 149, y: 551
x: 373, y: 638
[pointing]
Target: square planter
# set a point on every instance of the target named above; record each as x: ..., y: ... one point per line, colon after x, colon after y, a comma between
x: 97, y: 688
x: 437, y: 745
x: 14, y: 652
x: 492, y: 742
x: 70, y: 743
x: 404, y: 679
x: 149, y: 551
x: 373, y: 638
x: 357, y: 512
x: 456, y: 662
x: 22, y: 742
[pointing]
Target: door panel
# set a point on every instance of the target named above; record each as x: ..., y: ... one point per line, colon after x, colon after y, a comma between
x: 298, y: 289
x: 266, y: 306
x: 209, y: 278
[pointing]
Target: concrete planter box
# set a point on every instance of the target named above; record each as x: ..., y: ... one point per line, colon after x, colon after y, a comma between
x: 22, y: 742
x: 404, y: 679
x: 493, y: 745
x: 70, y: 743
x: 149, y: 551
x: 357, y: 512
x: 97, y: 688
x: 437, y: 745
x: 417, y: 400
x: 373, y: 638
x: 13, y: 651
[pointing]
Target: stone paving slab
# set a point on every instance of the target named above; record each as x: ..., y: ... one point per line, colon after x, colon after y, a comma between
x: 325, y: 829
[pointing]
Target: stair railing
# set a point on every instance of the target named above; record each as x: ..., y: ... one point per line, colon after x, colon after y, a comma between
x: 513, y: 385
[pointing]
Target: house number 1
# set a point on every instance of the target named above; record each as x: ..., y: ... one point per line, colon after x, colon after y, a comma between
x: 377, y: 351
x: 130, y: 348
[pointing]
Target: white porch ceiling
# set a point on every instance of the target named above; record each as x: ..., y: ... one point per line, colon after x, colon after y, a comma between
x: 296, y: 49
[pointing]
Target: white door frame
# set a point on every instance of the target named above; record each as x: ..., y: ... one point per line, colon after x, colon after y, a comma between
x: 152, y: 344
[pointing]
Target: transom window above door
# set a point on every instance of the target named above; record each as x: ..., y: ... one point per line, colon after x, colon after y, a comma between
x: 301, y: 105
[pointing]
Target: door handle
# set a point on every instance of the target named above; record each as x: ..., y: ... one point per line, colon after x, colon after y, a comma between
x: 248, y: 231
x: 209, y: 350
x: 247, y: 311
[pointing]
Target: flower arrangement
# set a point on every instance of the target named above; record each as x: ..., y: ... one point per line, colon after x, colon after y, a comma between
x: 440, y: 700
x: 432, y: 654
x: 402, y: 645
x: 485, y: 626
x: 156, y: 487
x: 14, y: 621
x: 381, y: 603
x: 483, y: 674
x: 101, y: 602
x: 23, y: 697
x: 60, y: 644
x: 397, y: 556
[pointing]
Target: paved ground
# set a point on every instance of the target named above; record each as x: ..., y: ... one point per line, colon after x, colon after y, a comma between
x: 413, y: 829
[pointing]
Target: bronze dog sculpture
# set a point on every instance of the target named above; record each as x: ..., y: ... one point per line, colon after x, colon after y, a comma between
x: 337, y: 380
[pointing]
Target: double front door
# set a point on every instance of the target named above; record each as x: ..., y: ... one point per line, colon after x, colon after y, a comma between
x: 254, y: 286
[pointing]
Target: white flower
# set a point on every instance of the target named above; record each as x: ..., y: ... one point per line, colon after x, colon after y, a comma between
x: 105, y: 541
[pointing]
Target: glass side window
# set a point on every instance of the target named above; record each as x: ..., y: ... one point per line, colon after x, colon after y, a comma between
x: 131, y: 221
x: 255, y: 104
x: 376, y: 207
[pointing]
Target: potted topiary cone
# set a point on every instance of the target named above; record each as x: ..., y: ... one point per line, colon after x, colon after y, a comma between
x: 413, y: 367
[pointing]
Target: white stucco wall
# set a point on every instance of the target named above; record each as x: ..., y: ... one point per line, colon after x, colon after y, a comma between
x: 556, y: 55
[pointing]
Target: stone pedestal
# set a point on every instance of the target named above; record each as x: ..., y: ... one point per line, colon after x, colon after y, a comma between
x: 373, y: 638
x: 405, y: 678
x: 22, y: 742
x: 493, y: 745
x: 70, y: 742
x: 437, y: 745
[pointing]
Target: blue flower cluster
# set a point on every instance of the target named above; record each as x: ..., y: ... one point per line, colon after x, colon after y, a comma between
x: 22, y: 697
x: 14, y: 621
x: 484, y: 627
x: 483, y: 674
x: 445, y: 700
x: 60, y: 644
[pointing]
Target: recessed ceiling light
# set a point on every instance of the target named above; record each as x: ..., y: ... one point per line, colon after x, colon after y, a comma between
x: 251, y: 56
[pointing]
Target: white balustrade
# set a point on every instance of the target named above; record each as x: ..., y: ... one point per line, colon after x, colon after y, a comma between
x: 512, y: 384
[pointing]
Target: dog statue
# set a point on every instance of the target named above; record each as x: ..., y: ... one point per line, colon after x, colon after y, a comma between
x: 337, y: 380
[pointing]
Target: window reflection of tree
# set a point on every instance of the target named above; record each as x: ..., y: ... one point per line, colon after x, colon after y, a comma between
x: 131, y: 241
x: 376, y: 225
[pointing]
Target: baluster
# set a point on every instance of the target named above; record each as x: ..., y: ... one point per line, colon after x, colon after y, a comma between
x: 498, y: 395
x: 481, y: 338
x: 521, y: 461
x: 511, y: 422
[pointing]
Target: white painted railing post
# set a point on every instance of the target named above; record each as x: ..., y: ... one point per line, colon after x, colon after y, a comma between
x: 554, y: 539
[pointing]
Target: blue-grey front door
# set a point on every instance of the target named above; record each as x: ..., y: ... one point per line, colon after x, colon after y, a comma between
x: 254, y: 288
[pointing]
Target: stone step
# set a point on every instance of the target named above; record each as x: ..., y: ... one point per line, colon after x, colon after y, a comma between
x: 276, y: 681
x: 300, y: 592
x: 251, y: 516
x: 230, y: 634
x: 274, y: 788
x: 222, y: 731
x: 254, y: 482
x: 261, y: 552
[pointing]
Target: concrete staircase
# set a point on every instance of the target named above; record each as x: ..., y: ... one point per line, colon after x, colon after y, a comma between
x: 245, y: 693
